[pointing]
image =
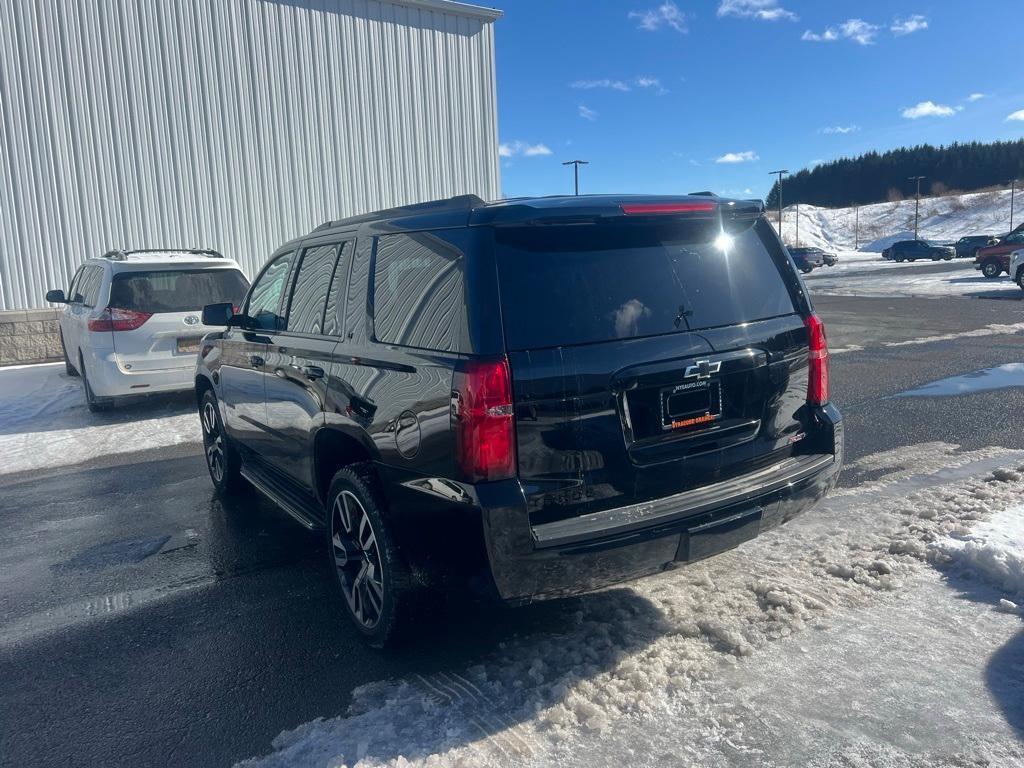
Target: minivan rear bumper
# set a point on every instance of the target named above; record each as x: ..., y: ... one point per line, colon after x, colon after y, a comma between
x: 612, y: 546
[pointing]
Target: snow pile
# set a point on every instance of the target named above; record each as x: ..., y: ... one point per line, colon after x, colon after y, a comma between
x: 994, y: 549
x: 644, y: 652
x: 886, y: 278
x: 44, y: 422
x: 882, y: 224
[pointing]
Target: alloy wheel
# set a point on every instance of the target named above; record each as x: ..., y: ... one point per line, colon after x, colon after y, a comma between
x: 213, y: 441
x: 357, y: 559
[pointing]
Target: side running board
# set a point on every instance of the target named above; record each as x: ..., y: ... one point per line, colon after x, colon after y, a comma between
x: 280, y: 492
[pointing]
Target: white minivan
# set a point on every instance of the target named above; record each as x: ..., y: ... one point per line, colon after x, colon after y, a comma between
x: 132, y: 323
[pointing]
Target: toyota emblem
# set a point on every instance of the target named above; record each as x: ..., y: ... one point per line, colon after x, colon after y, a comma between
x: 191, y: 319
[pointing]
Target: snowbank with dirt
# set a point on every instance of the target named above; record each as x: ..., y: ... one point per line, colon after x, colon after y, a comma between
x: 44, y: 422
x: 941, y: 218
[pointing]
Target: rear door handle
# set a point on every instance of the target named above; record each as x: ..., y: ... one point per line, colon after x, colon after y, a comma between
x: 313, y: 372
x: 256, y: 361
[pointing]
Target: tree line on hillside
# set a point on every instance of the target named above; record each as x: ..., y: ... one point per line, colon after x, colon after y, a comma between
x: 875, y: 177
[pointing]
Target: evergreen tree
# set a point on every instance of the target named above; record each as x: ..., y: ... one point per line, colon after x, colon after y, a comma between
x: 872, y: 177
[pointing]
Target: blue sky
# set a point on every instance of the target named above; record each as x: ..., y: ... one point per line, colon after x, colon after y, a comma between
x: 675, y: 97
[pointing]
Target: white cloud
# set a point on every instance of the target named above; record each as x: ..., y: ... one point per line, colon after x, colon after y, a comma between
x: 516, y: 148
x: 861, y: 32
x: 665, y: 15
x: 641, y: 81
x: 909, y: 25
x: 839, y: 129
x: 927, y: 109
x: 586, y: 85
x: 738, y: 157
x: 1017, y: 116
x: 587, y: 113
x: 765, y: 10
x: 976, y: 97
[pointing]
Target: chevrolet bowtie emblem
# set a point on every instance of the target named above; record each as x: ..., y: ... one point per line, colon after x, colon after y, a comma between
x: 703, y: 369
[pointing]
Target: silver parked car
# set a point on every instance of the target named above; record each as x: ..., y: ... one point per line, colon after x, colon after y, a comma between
x: 131, y: 323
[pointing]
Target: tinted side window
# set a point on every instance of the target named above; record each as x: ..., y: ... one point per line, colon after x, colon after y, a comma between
x: 89, y: 286
x: 418, y: 295
x: 336, y: 296
x: 312, y: 284
x: 265, y: 299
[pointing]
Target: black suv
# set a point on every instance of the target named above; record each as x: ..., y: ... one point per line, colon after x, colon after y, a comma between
x: 538, y: 396
x: 912, y: 250
x: 810, y: 258
x: 968, y: 247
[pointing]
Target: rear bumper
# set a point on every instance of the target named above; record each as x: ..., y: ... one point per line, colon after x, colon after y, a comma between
x: 592, y: 551
x: 108, y: 379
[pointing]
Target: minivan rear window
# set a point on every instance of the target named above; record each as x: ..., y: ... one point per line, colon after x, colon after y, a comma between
x: 178, y: 290
x: 577, y: 284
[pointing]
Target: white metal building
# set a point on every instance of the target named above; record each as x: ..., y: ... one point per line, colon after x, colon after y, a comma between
x: 229, y: 124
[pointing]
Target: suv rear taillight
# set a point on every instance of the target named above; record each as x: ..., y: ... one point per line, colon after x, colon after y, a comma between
x: 116, y: 319
x: 481, y: 414
x: 817, y: 344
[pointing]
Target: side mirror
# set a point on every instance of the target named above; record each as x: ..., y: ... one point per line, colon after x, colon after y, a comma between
x: 56, y: 296
x: 219, y: 314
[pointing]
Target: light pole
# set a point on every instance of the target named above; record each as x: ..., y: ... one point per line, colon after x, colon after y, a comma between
x: 798, y: 225
x: 1013, y: 188
x: 856, y: 228
x: 779, y: 174
x: 917, y: 200
x: 576, y: 170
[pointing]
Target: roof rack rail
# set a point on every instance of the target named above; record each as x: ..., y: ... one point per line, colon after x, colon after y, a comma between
x: 448, y: 205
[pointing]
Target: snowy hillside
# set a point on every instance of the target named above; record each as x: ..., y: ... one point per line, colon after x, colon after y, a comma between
x: 881, y: 224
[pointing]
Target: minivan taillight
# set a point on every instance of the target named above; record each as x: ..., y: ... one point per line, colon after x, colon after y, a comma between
x: 481, y: 414
x: 817, y: 344
x: 116, y: 319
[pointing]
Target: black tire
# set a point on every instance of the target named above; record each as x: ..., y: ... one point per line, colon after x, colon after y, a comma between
x: 95, y: 404
x: 373, y: 581
x: 1020, y: 278
x: 69, y: 369
x: 991, y: 269
x: 900, y: 259
x: 222, y: 459
x: 807, y: 270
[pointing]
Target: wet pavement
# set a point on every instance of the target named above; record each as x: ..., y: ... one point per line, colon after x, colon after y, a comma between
x: 145, y: 622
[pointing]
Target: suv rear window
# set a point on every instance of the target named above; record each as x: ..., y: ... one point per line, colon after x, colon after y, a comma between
x: 178, y: 290
x: 564, y: 285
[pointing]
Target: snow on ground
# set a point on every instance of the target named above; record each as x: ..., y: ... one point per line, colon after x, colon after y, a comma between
x: 942, y: 218
x: 999, y: 377
x: 993, y: 549
x: 890, y: 279
x: 44, y: 422
x: 725, y: 662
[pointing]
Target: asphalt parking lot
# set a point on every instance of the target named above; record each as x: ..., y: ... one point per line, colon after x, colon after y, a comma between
x: 146, y: 623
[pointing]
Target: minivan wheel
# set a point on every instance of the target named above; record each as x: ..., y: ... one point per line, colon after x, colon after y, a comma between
x: 95, y: 404
x: 991, y: 269
x: 222, y: 459
x: 373, y: 580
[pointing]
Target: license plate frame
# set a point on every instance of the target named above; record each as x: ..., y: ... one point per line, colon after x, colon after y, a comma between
x: 188, y: 345
x: 691, y: 404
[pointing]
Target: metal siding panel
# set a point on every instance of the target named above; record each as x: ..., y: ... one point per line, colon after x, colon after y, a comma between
x: 231, y: 124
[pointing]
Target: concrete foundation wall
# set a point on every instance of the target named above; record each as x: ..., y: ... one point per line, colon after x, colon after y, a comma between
x: 29, y: 336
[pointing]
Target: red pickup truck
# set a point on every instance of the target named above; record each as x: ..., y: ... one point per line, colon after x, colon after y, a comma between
x: 995, y: 259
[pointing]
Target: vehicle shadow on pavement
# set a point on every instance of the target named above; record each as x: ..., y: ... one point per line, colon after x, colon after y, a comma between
x: 1004, y: 672
x: 1003, y: 289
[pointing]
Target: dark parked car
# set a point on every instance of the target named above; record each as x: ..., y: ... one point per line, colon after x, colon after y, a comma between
x: 537, y: 397
x: 995, y: 259
x: 810, y: 258
x: 912, y: 250
x: 968, y: 247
